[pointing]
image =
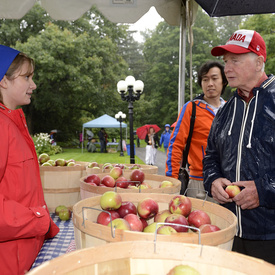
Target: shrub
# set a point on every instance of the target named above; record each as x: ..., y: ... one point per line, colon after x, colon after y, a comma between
x: 43, y: 144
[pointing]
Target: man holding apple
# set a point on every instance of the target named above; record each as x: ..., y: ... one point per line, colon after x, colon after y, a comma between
x: 241, y: 146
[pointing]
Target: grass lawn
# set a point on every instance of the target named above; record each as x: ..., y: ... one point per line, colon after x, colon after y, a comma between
x: 77, y: 155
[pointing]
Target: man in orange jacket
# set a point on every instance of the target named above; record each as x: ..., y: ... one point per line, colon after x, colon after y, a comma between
x: 212, y: 80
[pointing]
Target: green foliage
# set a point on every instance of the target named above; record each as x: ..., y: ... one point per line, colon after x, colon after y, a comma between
x: 43, y: 144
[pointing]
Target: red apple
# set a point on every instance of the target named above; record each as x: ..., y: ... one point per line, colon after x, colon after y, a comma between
x: 126, y: 208
x: 177, y: 219
x: 116, y: 172
x: 166, y: 230
x: 208, y: 228
x: 137, y: 176
x: 198, y: 217
x: 147, y: 208
x: 162, y: 215
x: 110, y: 200
x: 232, y: 190
x: 122, y: 182
x: 134, y: 221
x: 108, y: 181
x: 104, y: 218
x: 93, y: 178
x: 120, y: 224
x: 180, y: 205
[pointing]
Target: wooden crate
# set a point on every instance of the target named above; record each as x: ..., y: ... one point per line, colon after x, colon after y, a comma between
x: 61, y: 184
x: 89, y: 234
x: 87, y: 190
x: 133, y: 258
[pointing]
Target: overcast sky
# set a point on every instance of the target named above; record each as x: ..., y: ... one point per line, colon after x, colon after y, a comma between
x: 148, y: 21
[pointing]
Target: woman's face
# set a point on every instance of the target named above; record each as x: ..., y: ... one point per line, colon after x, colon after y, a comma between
x: 151, y: 130
x: 18, y: 91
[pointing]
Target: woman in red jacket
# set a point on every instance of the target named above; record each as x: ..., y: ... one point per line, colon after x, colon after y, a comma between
x: 24, y: 217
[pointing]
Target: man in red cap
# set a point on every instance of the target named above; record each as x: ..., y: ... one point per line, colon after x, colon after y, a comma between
x: 241, y: 145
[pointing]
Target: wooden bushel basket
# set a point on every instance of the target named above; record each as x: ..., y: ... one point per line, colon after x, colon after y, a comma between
x: 89, y: 234
x: 148, y: 169
x: 61, y: 184
x: 132, y: 258
x: 87, y: 190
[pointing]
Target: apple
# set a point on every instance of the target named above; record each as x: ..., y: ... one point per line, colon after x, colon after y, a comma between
x: 122, y: 182
x: 137, y: 176
x: 107, y: 165
x: 93, y: 178
x: 144, y: 223
x: 180, y: 205
x: 120, y: 224
x: 135, y: 166
x: 93, y: 164
x: 122, y: 166
x: 65, y: 214
x: 147, y: 208
x: 177, y: 219
x: 108, y: 181
x: 43, y: 158
x: 166, y: 230
x: 51, y: 161
x: 71, y: 163
x: 232, y: 190
x: 59, y: 208
x: 208, y: 228
x: 162, y: 215
x: 134, y: 221
x: 60, y: 162
x: 93, y: 184
x: 110, y: 200
x: 104, y: 218
x: 183, y: 270
x: 46, y: 164
x: 198, y: 217
x: 127, y: 207
x: 151, y: 228
x: 165, y: 183
x: 145, y: 185
x: 70, y: 160
x: 116, y: 172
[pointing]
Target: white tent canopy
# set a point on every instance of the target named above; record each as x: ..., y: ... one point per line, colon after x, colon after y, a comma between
x: 104, y: 121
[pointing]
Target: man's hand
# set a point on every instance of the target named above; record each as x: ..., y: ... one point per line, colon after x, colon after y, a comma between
x: 217, y: 190
x: 248, y: 198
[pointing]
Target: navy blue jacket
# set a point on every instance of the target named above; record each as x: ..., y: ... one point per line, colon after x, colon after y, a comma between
x: 241, y: 147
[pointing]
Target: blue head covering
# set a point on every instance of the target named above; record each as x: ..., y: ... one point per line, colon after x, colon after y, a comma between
x: 7, y: 55
x: 167, y: 125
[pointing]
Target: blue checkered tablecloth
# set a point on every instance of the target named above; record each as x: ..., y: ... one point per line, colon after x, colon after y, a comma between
x: 58, y: 245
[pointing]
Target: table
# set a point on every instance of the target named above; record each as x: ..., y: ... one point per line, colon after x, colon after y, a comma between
x: 58, y: 245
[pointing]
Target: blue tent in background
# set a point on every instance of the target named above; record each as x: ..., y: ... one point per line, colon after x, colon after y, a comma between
x: 104, y: 121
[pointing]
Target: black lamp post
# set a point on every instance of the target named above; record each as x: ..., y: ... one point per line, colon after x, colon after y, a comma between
x: 130, y: 91
x: 120, y: 117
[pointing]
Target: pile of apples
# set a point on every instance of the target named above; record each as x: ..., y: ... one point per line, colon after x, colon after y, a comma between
x: 116, y: 179
x: 146, y: 217
x: 45, y: 160
x: 108, y: 165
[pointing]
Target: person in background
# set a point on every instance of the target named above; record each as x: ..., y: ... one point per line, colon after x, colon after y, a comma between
x: 25, y: 221
x: 212, y: 80
x: 152, y: 141
x: 80, y: 139
x: 165, y: 137
x: 103, y: 140
x: 241, y: 147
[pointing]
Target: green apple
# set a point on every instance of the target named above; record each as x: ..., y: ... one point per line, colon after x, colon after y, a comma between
x: 120, y: 224
x: 151, y: 228
x: 65, y: 214
x: 51, y: 161
x: 110, y: 200
x: 183, y: 270
x: 71, y: 163
x: 46, y: 164
x: 43, y: 158
x: 166, y: 183
x: 166, y: 230
x: 162, y: 215
x: 60, y: 162
x: 59, y: 208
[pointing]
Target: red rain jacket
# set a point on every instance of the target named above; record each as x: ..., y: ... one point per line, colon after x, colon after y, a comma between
x: 24, y: 216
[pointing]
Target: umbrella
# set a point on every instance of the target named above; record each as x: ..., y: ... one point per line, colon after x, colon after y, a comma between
x: 143, y: 130
x: 236, y: 7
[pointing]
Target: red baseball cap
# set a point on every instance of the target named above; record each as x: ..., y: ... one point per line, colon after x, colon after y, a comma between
x: 242, y: 41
